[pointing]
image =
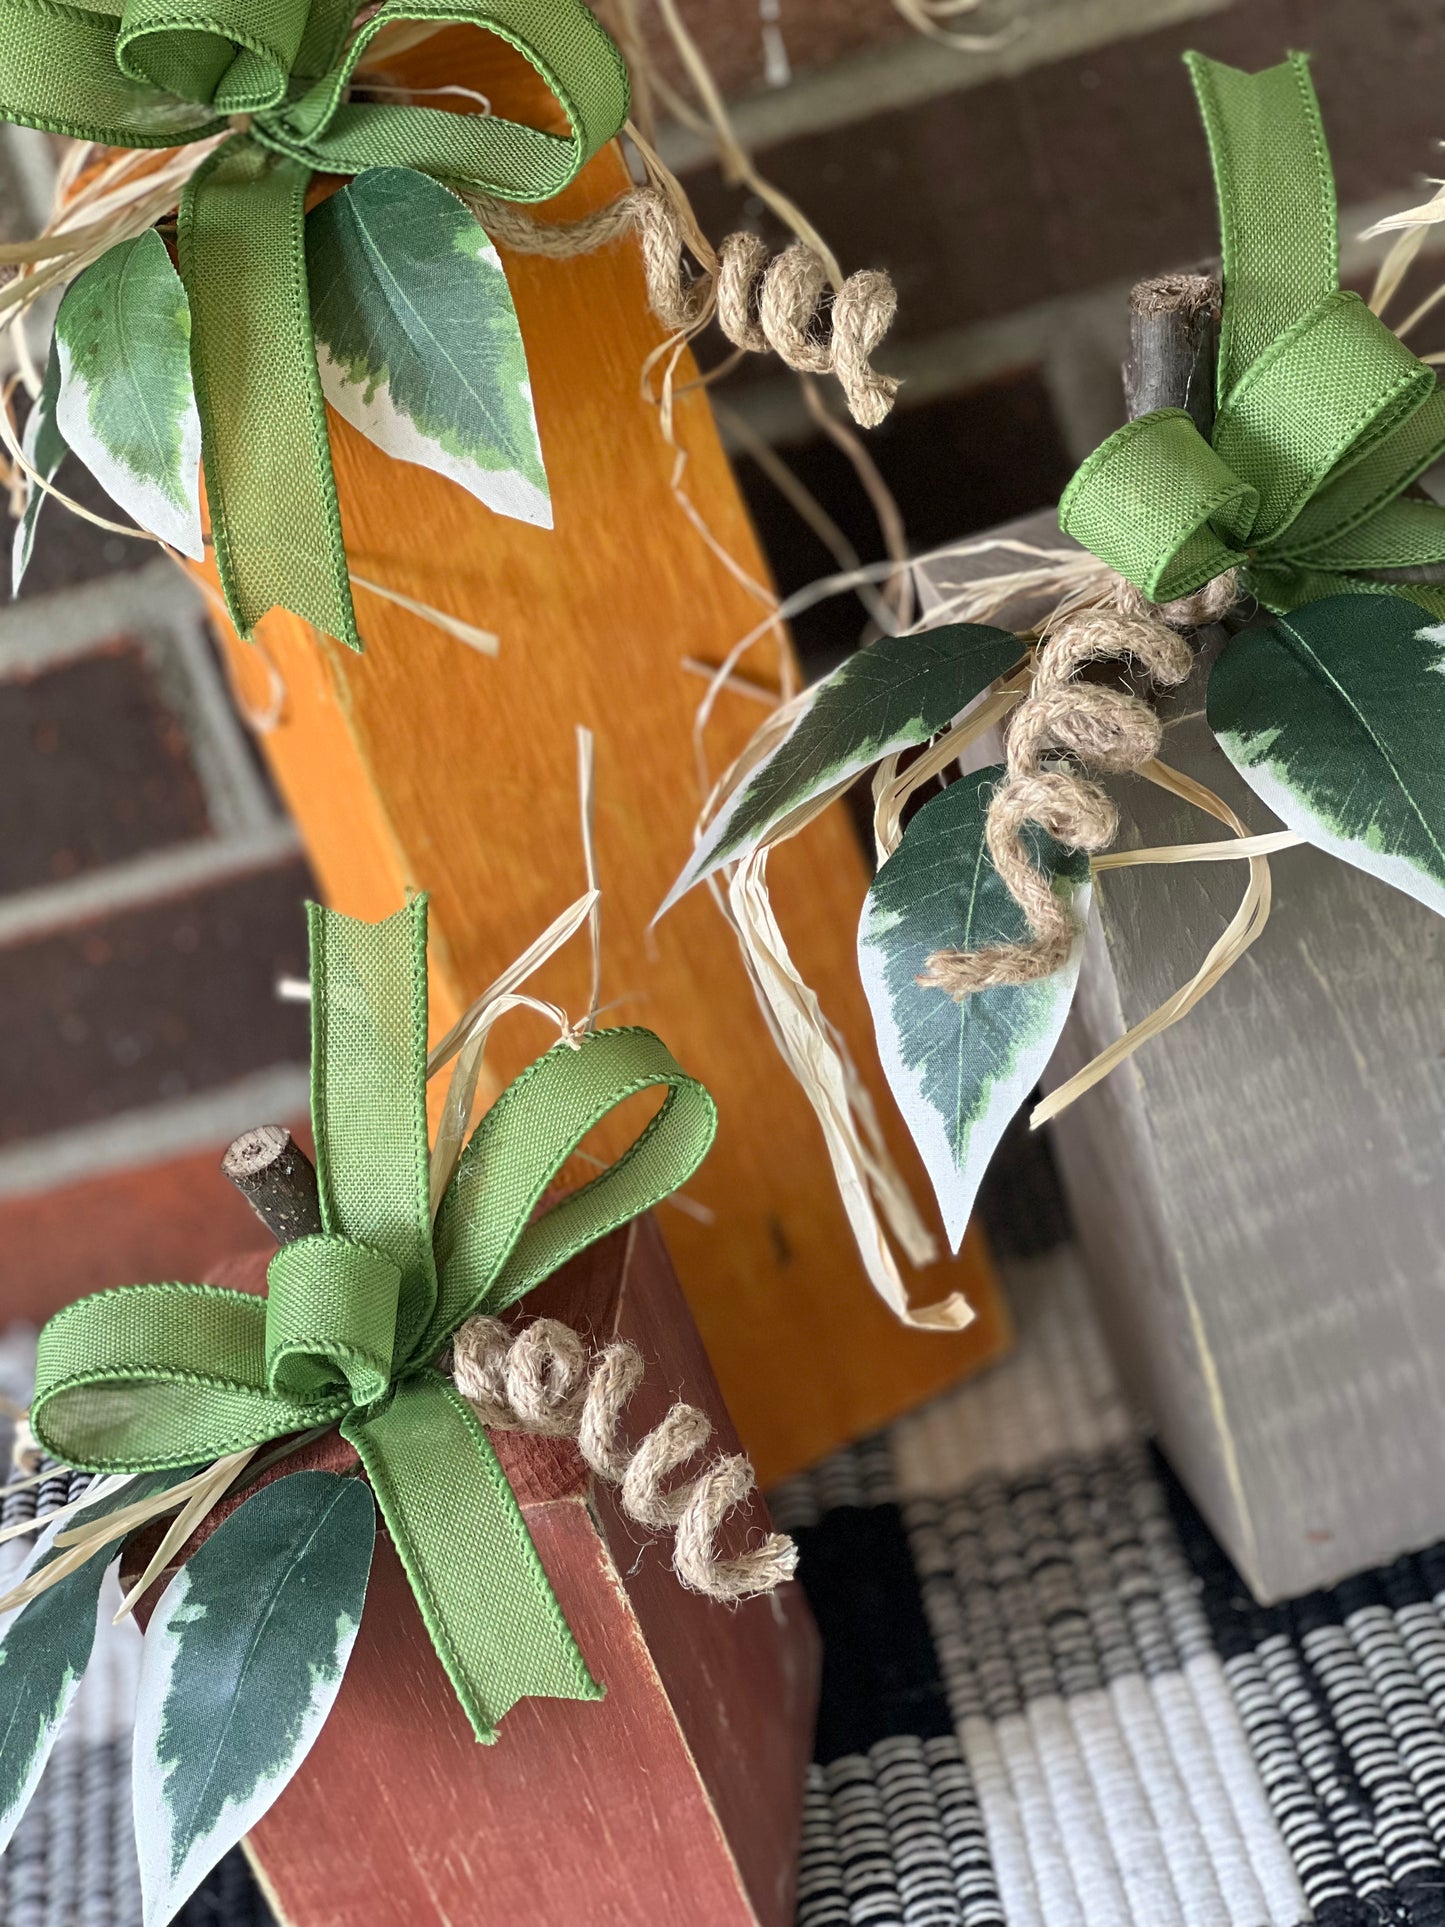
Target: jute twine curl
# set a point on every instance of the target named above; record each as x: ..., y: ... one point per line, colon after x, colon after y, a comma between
x: 542, y: 1380
x: 761, y: 302
x: 1095, y: 726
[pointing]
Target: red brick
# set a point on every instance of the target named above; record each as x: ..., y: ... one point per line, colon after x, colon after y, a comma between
x: 68, y: 549
x: 152, y: 1003
x: 963, y: 462
x: 97, y: 768
x: 814, y: 33
x: 164, y: 1221
x: 1094, y: 169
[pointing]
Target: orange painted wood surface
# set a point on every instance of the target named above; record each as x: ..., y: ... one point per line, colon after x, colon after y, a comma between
x: 677, y: 1797
x: 425, y: 765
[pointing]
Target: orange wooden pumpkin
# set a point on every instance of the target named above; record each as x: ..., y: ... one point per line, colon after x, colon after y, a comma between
x: 425, y: 765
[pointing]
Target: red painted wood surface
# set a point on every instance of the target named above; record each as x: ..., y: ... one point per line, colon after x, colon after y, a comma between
x: 675, y: 1799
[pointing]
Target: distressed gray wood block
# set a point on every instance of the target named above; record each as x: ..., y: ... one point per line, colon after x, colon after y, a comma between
x: 1260, y: 1192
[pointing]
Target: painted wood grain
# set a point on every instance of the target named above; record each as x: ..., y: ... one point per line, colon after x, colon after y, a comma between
x: 424, y: 765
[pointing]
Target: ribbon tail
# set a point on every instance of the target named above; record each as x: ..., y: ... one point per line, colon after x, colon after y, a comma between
x: 266, y: 452
x: 483, y: 1594
x: 1276, y: 203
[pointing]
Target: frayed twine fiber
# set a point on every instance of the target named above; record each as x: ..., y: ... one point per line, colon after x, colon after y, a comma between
x: 1096, y: 726
x: 542, y: 1380
x: 762, y: 303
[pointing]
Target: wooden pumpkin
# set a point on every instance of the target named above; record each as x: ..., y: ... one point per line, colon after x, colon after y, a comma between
x: 678, y: 1796
x: 424, y: 765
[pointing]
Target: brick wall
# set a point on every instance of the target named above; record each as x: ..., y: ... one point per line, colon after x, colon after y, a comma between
x: 150, y: 897
x: 1014, y: 195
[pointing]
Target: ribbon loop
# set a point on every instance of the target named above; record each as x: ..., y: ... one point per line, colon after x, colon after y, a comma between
x: 1355, y: 520
x: 1318, y: 400
x: 485, y: 153
x: 158, y: 1376
x: 490, y: 1247
x: 233, y: 55
x: 1324, y: 417
x: 330, y: 1320
x: 58, y: 72
x: 1156, y: 502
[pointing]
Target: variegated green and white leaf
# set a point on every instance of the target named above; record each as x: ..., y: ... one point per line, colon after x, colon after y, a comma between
x: 127, y: 406
x: 1335, y: 717
x: 959, y: 1071
x: 46, y: 1647
x: 890, y: 696
x: 417, y: 339
x: 243, y: 1660
x: 44, y: 448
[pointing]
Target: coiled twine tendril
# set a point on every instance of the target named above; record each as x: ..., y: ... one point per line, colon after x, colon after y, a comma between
x: 761, y: 302
x: 1097, y: 727
x: 543, y: 1380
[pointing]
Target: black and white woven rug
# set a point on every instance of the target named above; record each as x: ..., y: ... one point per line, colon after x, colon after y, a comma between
x: 1047, y: 1701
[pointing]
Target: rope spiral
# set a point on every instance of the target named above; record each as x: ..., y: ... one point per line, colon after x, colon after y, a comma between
x: 543, y: 1380
x: 1096, y: 726
x: 762, y: 303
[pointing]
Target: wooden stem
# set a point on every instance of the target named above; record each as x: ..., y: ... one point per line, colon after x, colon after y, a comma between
x: 270, y: 1169
x: 1173, y: 341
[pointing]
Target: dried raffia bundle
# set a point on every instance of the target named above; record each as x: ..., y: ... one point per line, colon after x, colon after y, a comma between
x: 177, y: 1395
x: 1291, y: 495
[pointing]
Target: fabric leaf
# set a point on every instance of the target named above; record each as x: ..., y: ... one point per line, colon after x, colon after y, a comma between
x: 243, y: 1660
x: 44, y: 449
x: 47, y: 1646
x: 127, y: 406
x: 1335, y: 716
x: 417, y: 339
x: 46, y: 1649
x: 959, y: 1071
x: 890, y: 696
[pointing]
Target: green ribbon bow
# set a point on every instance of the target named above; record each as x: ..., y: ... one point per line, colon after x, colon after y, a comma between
x: 276, y: 74
x: 1324, y: 418
x: 153, y: 1376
